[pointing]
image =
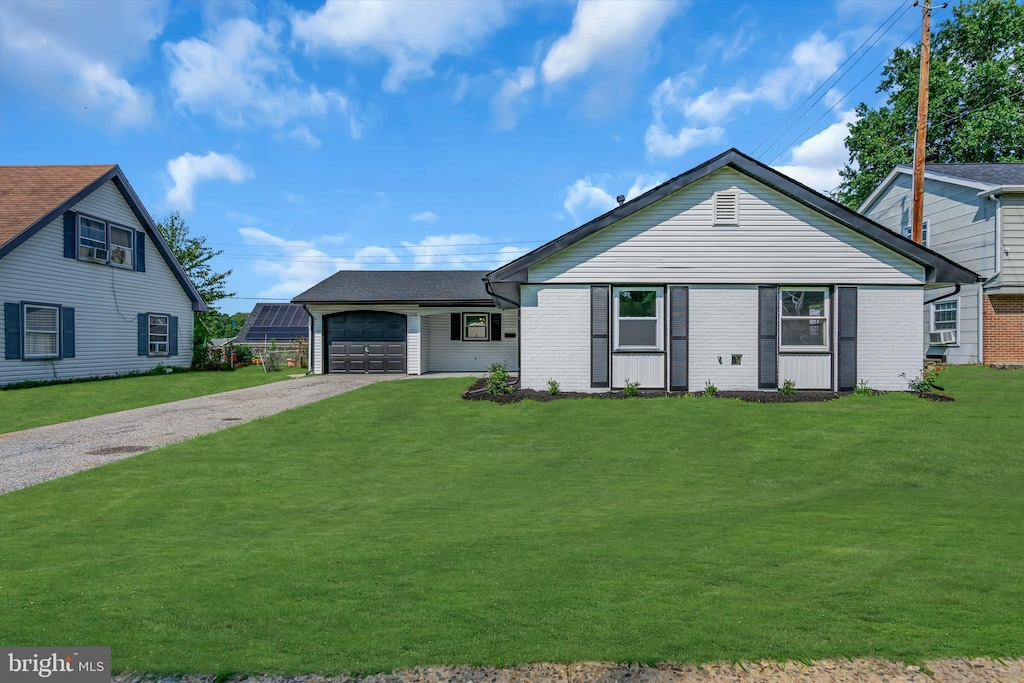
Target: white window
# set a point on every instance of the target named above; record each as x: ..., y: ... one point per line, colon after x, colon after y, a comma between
x: 474, y: 327
x: 92, y: 239
x: 158, y: 335
x: 121, y: 244
x: 804, y: 319
x: 727, y: 208
x: 42, y: 330
x: 908, y: 232
x: 638, y: 318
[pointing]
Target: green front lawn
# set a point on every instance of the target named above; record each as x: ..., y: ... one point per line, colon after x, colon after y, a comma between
x: 400, y: 525
x: 46, y: 405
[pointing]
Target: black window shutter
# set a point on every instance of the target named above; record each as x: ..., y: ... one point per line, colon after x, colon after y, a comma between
x: 600, y: 324
x: 846, y: 323
x: 679, y: 337
x: 140, y: 251
x: 767, y: 337
x: 67, y: 332
x: 172, y: 335
x: 12, y: 331
x: 70, y: 233
x: 456, y: 326
x: 495, y: 326
x: 143, y: 334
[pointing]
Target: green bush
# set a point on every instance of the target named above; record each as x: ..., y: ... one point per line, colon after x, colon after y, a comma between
x: 631, y: 389
x: 498, y: 380
x: 553, y: 387
x: 862, y: 389
x: 710, y: 389
x: 788, y: 388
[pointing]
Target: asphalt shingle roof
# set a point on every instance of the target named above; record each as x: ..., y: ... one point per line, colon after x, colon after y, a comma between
x: 994, y: 174
x: 393, y: 286
x: 28, y: 193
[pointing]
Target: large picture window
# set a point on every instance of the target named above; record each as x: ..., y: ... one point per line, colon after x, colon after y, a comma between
x: 638, y: 318
x: 158, y: 335
x: 804, y: 319
x: 42, y: 331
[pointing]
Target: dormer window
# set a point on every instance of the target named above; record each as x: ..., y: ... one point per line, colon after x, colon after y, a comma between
x: 727, y: 208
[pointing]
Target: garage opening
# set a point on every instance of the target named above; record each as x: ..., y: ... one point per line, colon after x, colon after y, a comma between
x: 366, y: 342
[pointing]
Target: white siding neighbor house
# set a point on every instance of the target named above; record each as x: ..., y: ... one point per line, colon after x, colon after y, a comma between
x: 730, y: 274
x: 973, y: 213
x: 88, y: 286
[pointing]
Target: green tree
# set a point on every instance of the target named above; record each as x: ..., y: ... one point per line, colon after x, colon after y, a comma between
x: 224, y: 325
x: 194, y: 256
x: 976, y: 99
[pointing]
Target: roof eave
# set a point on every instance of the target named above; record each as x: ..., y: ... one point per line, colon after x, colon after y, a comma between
x: 1001, y: 189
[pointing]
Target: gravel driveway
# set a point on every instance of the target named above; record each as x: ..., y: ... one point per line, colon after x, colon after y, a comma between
x: 36, y: 455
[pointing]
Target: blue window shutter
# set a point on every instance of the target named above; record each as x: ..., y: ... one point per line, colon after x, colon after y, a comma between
x: 70, y: 233
x: 140, y: 251
x: 143, y: 334
x: 67, y: 331
x: 12, y: 331
x: 172, y: 335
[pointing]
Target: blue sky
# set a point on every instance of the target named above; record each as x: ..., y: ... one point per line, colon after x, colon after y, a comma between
x: 301, y: 138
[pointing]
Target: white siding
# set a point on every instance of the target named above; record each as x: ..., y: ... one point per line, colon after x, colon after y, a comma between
x: 414, y: 346
x: 1013, y: 240
x: 555, y: 325
x: 808, y: 371
x: 465, y: 356
x: 888, y: 322
x: 106, y: 299
x: 777, y: 240
x: 723, y: 322
x: 646, y: 368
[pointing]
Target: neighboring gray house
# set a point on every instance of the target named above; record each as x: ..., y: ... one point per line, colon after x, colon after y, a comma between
x: 408, y: 322
x: 731, y: 274
x: 88, y: 285
x: 974, y: 213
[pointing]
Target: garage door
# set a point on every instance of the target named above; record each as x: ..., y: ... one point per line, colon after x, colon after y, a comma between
x: 366, y: 342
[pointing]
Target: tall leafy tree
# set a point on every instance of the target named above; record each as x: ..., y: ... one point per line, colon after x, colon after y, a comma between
x: 976, y: 99
x: 194, y: 256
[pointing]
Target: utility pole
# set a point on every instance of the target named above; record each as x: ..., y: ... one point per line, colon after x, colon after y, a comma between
x: 922, y: 119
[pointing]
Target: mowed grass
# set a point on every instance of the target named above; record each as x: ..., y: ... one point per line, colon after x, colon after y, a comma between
x: 52, y: 404
x: 399, y: 525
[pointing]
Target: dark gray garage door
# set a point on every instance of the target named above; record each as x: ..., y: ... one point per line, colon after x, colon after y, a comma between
x: 366, y: 342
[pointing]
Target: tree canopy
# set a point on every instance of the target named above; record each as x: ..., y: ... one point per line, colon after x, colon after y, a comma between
x: 976, y: 99
x: 194, y: 256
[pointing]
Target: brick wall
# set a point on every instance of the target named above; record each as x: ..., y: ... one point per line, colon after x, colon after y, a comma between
x: 1003, y: 326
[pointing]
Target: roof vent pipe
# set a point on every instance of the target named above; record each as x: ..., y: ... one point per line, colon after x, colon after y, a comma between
x: 621, y: 199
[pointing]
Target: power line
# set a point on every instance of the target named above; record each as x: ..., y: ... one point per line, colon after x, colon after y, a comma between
x: 385, y: 246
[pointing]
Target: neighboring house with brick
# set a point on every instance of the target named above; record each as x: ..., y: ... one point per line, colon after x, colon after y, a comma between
x: 731, y: 274
x: 974, y: 213
x: 88, y: 285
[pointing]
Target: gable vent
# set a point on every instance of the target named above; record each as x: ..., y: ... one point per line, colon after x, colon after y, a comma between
x: 727, y: 208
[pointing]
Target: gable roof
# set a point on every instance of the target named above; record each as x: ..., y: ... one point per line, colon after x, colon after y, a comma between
x: 31, y: 197
x: 988, y: 178
x: 428, y: 287
x: 274, y: 321
x: 937, y: 267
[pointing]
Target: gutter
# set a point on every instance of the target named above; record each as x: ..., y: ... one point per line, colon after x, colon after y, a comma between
x: 487, y: 288
x: 956, y: 290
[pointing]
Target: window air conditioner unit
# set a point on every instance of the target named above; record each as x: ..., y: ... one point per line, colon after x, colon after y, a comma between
x: 94, y: 253
x: 943, y: 337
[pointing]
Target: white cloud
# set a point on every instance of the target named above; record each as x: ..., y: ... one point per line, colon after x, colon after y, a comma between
x: 412, y: 35
x: 239, y: 76
x: 585, y: 198
x: 457, y: 252
x: 303, y: 134
x: 509, y: 98
x: 816, y: 161
x: 661, y: 143
x: 728, y: 49
x: 189, y: 169
x: 604, y: 33
x: 424, y: 217
x: 51, y: 47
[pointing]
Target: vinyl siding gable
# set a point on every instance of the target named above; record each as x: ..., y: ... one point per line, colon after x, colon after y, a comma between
x: 106, y: 299
x: 1013, y: 240
x: 777, y: 240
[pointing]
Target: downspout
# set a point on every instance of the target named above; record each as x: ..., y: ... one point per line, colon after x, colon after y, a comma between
x: 956, y: 290
x: 312, y: 369
x: 487, y: 288
x: 519, y: 329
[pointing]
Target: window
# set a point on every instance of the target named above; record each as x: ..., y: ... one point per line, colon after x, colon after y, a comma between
x: 121, y: 243
x: 41, y: 330
x: 158, y: 335
x: 474, y: 327
x: 908, y: 232
x: 945, y: 315
x: 638, y: 323
x: 92, y: 239
x: 804, y: 319
x: 727, y: 209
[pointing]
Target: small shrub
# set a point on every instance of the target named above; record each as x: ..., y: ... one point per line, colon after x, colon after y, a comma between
x: 924, y: 381
x: 710, y: 389
x: 553, y: 387
x: 631, y: 389
x: 788, y: 388
x: 862, y: 389
x: 497, y: 380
